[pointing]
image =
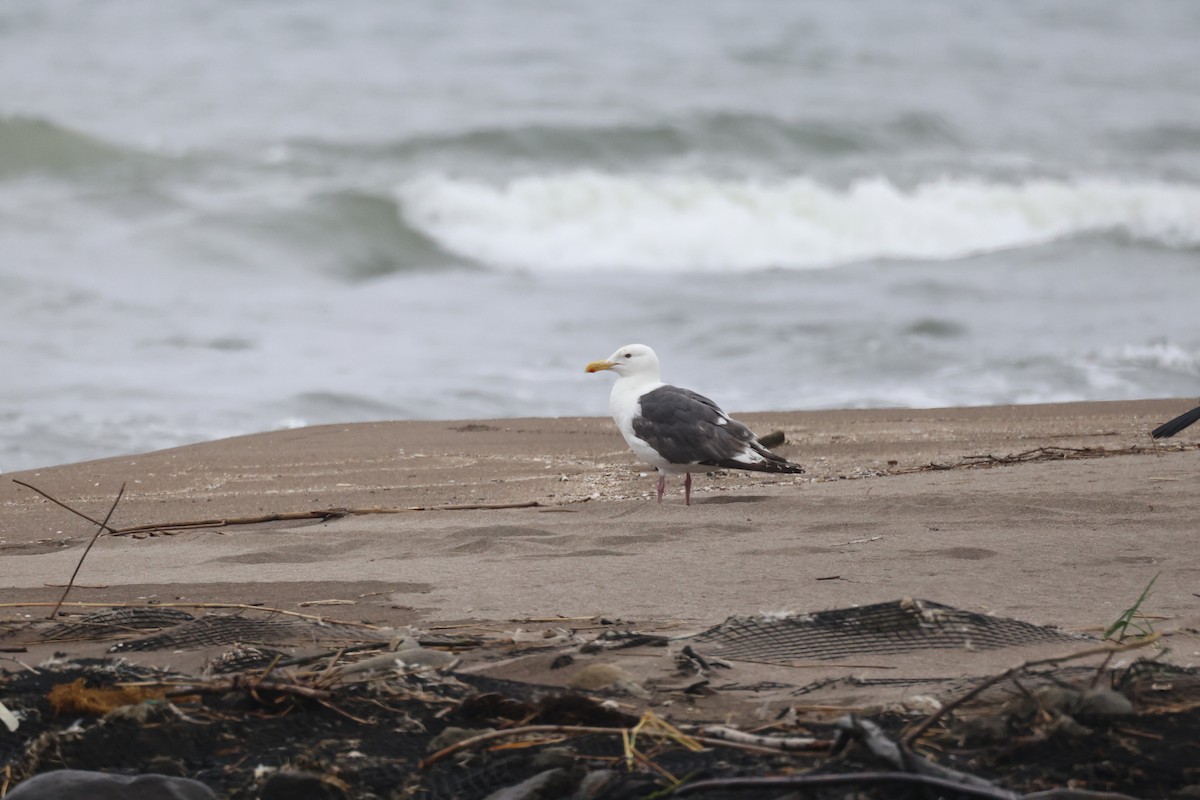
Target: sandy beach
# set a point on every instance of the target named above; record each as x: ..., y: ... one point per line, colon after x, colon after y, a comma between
x: 1061, y: 541
x: 928, y: 549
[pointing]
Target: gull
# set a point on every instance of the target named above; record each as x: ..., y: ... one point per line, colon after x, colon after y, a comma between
x: 677, y: 430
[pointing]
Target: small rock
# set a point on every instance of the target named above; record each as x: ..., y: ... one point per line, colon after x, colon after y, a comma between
x: 425, y: 657
x: 548, y: 785
x: 1086, y: 703
x: 553, y: 758
x: 291, y: 785
x: 979, y: 731
x: 1057, y: 699
x: 1066, y: 726
x: 594, y: 783
x: 413, y: 656
x: 1102, y: 704
x: 78, y: 784
x: 453, y: 735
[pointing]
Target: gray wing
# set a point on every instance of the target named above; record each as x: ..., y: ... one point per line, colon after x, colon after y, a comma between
x: 688, y: 428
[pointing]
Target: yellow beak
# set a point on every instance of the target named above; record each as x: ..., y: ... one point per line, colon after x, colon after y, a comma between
x: 596, y: 366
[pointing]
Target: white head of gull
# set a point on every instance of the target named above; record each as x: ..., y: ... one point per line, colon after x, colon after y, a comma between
x: 676, y: 430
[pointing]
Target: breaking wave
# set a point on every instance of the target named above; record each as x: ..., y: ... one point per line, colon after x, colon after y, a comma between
x: 589, y: 220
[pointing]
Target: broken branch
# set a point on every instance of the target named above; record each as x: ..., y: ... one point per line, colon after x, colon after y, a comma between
x: 102, y: 527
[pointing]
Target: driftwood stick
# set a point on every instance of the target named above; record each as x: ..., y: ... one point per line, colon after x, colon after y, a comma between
x: 466, y: 744
x: 221, y: 522
x: 282, y: 516
x: 86, y: 550
x: 221, y: 687
x: 784, y: 743
x: 321, y: 514
x: 1105, y: 650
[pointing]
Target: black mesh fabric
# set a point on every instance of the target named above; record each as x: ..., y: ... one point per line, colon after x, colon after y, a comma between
x: 218, y: 630
x: 885, y: 628
x: 116, y: 622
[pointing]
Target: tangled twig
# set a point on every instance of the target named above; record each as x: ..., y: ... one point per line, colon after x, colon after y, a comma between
x: 1107, y: 649
x: 102, y: 526
x: 1045, y: 453
x: 466, y: 744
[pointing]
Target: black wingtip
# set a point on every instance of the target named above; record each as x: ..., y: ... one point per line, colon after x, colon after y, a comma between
x: 782, y: 466
x: 1168, y: 429
x: 776, y: 465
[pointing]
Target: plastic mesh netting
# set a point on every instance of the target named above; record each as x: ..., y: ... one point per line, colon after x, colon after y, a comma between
x: 896, y: 627
x: 116, y: 622
x: 225, y: 630
x: 392, y: 731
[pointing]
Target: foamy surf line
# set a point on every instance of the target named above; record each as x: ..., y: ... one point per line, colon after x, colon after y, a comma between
x: 589, y: 220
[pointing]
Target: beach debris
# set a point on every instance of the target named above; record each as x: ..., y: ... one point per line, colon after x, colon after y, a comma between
x: 689, y: 661
x: 1107, y: 650
x: 116, y: 622
x: 242, y: 657
x: 897, y: 756
x: 100, y: 528
x: 77, y: 697
x: 411, y: 656
x: 781, y: 743
x: 605, y: 677
x: 220, y: 629
x: 1049, y: 453
x: 9, y: 719
x: 893, y: 627
x: 621, y: 639
x: 320, y: 515
x: 773, y: 439
x: 356, y: 724
x: 1101, y: 703
x: 1174, y: 426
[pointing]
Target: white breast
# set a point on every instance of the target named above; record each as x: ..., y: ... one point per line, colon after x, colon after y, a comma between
x: 624, y: 406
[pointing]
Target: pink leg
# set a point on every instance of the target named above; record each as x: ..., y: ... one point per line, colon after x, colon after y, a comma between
x: 662, y: 485
x: 687, y: 489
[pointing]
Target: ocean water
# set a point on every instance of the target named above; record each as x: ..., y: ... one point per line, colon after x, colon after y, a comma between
x: 219, y: 218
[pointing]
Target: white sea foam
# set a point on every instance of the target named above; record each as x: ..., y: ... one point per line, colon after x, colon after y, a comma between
x: 1161, y: 355
x: 589, y: 220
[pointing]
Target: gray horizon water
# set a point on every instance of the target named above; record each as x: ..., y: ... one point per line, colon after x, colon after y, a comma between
x: 218, y: 219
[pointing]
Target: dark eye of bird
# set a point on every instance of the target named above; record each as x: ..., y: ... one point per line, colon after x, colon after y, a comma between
x: 629, y: 355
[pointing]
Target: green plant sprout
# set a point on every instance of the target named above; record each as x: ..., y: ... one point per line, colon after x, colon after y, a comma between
x: 1120, y: 629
